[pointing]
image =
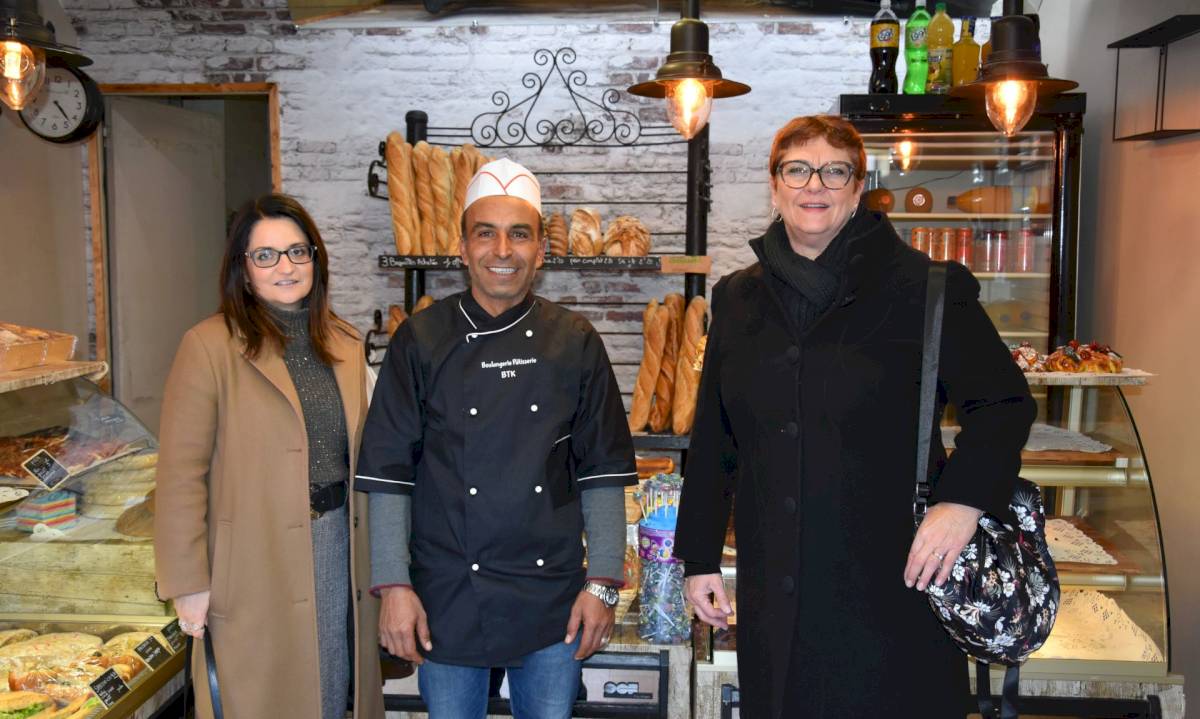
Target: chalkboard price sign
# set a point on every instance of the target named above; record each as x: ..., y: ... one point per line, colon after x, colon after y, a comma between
x: 46, y: 469
x: 109, y: 687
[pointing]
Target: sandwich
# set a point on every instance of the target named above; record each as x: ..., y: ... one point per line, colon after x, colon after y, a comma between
x: 22, y: 705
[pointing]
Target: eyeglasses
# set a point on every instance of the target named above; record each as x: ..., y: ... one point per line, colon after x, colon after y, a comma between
x: 265, y: 257
x: 796, y: 174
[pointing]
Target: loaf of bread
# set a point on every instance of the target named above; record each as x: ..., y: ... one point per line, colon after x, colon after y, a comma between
x: 585, y: 237
x: 626, y: 236
x: 400, y: 187
x: 12, y: 636
x: 557, y: 236
x: 424, y: 302
x: 441, y: 176
x: 396, y: 317
x: 655, y: 321
x: 687, y: 376
x: 660, y: 413
x: 422, y: 154
x: 138, y: 520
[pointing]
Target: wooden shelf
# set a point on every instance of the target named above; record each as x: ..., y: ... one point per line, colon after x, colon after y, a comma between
x: 51, y: 373
x: 966, y: 216
x: 1123, y: 566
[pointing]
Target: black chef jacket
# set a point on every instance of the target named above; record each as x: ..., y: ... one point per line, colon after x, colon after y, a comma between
x: 495, y: 425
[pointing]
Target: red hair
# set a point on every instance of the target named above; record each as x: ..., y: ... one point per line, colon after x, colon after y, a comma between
x: 837, y: 131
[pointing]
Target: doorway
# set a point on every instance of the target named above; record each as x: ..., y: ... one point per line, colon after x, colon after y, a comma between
x: 178, y: 163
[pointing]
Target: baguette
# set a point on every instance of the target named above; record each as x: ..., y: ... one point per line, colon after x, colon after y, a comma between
x: 425, y: 302
x: 441, y: 174
x: 422, y: 155
x: 654, y: 331
x: 557, y: 236
x: 396, y: 317
x: 687, y: 377
x: 400, y: 180
x: 660, y: 413
x: 585, y: 237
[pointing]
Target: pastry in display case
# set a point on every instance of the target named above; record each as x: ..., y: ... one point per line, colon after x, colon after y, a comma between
x: 82, y: 632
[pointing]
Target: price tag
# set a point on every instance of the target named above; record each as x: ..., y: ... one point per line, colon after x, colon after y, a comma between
x: 175, y: 636
x: 109, y: 687
x: 152, y: 652
x: 46, y: 469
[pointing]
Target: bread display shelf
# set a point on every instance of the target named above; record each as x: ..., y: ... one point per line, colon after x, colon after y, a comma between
x: 51, y: 373
x: 660, y: 440
x: 1128, y: 377
x: 664, y: 264
x: 1123, y: 565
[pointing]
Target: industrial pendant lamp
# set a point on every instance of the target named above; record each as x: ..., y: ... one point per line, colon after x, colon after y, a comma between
x: 26, y: 40
x: 689, y: 80
x: 1013, y: 77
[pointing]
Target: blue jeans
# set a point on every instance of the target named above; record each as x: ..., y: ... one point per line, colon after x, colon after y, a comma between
x: 543, y: 687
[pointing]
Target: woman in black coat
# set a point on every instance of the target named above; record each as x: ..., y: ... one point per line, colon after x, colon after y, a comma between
x: 807, y: 413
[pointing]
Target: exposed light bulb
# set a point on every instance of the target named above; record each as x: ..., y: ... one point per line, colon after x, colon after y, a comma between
x: 689, y: 102
x: 22, y: 69
x: 906, y: 148
x: 1010, y: 103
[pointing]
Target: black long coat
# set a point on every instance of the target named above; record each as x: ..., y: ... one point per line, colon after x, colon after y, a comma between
x: 816, y: 437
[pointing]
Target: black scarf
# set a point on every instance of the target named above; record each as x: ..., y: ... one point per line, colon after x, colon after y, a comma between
x: 807, y: 287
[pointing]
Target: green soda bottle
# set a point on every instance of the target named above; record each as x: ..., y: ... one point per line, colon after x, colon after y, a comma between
x: 916, y: 50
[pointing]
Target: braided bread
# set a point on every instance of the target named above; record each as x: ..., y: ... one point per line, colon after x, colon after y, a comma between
x: 557, y: 236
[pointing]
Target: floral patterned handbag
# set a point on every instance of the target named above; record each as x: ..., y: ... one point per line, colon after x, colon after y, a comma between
x: 1001, y: 598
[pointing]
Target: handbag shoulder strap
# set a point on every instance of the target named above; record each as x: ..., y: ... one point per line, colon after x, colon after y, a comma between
x: 935, y: 306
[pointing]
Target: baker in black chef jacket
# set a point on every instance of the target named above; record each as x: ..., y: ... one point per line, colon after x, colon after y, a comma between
x: 496, y: 440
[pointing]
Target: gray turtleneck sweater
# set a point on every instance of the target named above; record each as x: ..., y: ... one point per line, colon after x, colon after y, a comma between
x: 324, y: 417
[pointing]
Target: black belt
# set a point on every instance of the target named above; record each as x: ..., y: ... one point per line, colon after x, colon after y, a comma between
x: 326, y: 497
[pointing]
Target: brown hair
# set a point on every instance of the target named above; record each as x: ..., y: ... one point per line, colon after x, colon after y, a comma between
x: 244, y: 313
x: 836, y: 131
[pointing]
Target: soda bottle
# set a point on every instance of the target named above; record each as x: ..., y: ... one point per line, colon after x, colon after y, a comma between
x: 941, y: 52
x: 966, y: 54
x: 916, y: 58
x: 885, y: 48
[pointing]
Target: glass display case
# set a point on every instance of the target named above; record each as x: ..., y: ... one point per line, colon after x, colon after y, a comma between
x: 1102, y: 527
x: 80, y: 625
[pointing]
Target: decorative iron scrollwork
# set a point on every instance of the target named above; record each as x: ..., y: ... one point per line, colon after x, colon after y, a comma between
x: 589, y: 122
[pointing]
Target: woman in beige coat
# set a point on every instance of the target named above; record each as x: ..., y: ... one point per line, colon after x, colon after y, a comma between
x: 255, y: 537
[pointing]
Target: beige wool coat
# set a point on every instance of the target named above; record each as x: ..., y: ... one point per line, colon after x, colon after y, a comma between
x: 232, y: 516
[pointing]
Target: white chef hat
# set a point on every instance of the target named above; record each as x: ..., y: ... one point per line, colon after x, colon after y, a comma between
x: 504, y: 177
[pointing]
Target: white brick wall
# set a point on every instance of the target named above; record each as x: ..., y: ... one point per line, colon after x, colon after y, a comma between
x: 343, y: 90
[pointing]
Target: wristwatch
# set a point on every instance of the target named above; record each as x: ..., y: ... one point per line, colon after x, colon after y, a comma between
x: 609, y: 595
